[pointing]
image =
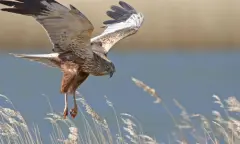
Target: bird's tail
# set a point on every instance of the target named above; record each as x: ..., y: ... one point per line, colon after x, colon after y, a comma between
x: 51, y: 59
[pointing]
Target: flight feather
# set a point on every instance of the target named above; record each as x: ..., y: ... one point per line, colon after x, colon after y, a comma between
x: 125, y: 21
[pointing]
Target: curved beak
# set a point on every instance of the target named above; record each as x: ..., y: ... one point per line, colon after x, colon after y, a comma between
x: 111, y: 74
x: 112, y: 70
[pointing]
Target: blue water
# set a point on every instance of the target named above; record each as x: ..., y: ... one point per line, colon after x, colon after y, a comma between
x: 190, y: 77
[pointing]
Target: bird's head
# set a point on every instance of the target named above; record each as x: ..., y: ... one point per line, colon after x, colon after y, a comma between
x: 110, y: 69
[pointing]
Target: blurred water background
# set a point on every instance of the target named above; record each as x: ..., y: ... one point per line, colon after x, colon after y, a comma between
x: 190, y: 77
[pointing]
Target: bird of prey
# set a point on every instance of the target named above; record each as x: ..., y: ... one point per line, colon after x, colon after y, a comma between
x: 74, y: 51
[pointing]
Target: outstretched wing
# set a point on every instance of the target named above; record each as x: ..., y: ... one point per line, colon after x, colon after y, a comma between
x: 125, y: 22
x: 68, y: 29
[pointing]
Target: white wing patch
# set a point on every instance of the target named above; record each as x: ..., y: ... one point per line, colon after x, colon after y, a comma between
x: 51, y: 59
x: 134, y: 22
x: 117, y: 31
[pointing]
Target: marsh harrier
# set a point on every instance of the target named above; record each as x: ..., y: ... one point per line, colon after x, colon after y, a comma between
x: 75, y: 52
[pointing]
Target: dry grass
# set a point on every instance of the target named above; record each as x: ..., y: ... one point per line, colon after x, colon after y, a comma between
x: 223, y: 127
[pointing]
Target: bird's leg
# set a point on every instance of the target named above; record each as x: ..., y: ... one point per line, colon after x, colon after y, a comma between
x: 74, y: 111
x: 65, y: 112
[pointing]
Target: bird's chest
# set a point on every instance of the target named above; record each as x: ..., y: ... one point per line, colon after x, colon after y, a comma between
x: 73, y: 76
x: 71, y: 67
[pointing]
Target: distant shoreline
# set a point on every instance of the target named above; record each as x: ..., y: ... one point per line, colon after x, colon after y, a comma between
x: 168, y: 25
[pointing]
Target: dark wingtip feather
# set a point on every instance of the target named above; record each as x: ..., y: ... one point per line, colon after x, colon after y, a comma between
x: 25, y: 7
x: 110, y: 22
x: 15, y: 10
x: 120, y: 13
x: 113, y: 15
x: 10, y: 3
x: 126, y: 5
x: 118, y: 9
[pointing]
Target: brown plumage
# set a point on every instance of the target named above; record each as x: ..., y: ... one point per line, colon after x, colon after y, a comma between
x: 76, y: 54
